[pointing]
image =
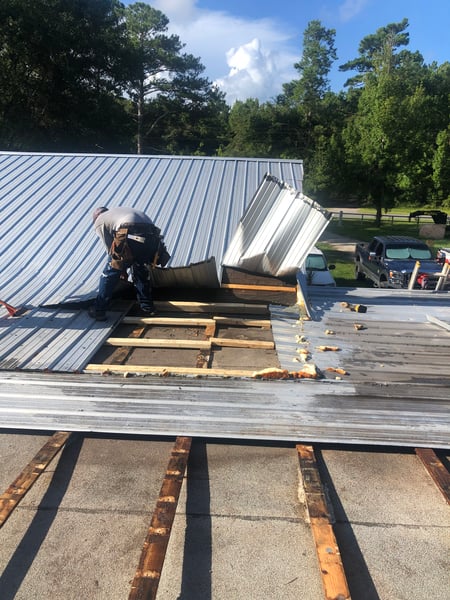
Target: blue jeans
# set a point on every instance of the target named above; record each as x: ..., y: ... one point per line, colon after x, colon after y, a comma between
x: 110, y: 278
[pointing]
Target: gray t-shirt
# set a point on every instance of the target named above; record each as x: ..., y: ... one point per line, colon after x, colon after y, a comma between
x: 111, y: 220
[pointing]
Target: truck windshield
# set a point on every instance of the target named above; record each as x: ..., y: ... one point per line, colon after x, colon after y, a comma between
x: 415, y: 252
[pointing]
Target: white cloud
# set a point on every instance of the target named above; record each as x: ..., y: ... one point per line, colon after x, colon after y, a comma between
x: 351, y: 8
x: 252, y: 73
x: 245, y: 58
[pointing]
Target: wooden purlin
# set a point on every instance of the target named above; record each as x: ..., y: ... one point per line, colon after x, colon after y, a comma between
x: 122, y: 353
x: 240, y: 308
x: 166, y: 371
x: 259, y: 288
x: 146, y: 580
x: 207, y: 344
x: 200, y: 344
x: 21, y: 485
x: 198, y: 321
x: 328, y: 554
x: 436, y: 469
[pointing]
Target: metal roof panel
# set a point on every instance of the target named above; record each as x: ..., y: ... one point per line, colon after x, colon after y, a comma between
x: 49, y: 252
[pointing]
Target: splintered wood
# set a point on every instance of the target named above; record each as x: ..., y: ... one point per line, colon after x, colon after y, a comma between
x: 309, y: 371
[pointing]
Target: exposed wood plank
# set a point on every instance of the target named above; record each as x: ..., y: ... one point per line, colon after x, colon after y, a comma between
x: 261, y: 288
x: 210, y: 331
x: 263, y: 323
x: 235, y: 343
x: 181, y: 321
x: 165, y: 371
x: 330, y: 564
x: 146, y: 580
x: 197, y: 322
x: 436, y: 469
x: 212, y: 307
x: 123, y: 353
x: 200, y: 344
x: 159, y: 343
x: 20, y: 486
x: 204, y: 360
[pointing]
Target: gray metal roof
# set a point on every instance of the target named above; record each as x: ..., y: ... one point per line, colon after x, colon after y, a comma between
x: 394, y: 392
x: 303, y: 411
x: 52, y: 340
x: 402, y: 339
x: 49, y: 252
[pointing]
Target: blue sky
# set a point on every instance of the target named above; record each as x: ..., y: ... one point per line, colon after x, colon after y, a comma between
x: 249, y: 47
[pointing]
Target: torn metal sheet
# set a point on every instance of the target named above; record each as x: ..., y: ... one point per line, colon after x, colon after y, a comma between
x: 277, y: 231
x: 199, y: 275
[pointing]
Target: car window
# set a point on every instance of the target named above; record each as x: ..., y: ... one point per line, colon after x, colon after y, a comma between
x: 415, y: 252
x: 420, y: 253
x: 397, y: 253
x: 315, y: 262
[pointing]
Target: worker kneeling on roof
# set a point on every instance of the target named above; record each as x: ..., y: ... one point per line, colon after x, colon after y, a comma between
x: 132, y: 242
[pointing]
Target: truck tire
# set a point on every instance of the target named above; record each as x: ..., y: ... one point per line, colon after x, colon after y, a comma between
x: 359, y: 275
x: 383, y: 283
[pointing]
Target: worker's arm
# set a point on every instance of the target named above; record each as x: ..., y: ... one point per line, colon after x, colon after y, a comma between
x: 105, y: 235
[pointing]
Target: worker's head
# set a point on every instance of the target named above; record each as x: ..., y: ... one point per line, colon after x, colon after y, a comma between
x: 98, y: 211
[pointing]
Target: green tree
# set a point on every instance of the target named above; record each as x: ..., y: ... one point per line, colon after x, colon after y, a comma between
x: 61, y: 75
x: 318, y: 55
x: 327, y: 172
x: 306, y: 100
x: 162, y: 76
x: 172, y: 128
x: 247, y: 130
x: 377, y: 51
x: 441, y: 168
x: 389, y: 140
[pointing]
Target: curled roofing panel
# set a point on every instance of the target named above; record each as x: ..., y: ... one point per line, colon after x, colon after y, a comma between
x: 277, y: 231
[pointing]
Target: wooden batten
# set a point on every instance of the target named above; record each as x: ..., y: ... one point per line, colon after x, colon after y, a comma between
x: 331, y: 567
x: 197, y: 344
x: 165, y: 371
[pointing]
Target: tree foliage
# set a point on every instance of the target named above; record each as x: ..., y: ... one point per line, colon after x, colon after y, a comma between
x: 95, y: 75
x: 390, y: 139
x: 318, y: 55
x: 74, y: 76
x: 60, y: 74
x: 161, y: 75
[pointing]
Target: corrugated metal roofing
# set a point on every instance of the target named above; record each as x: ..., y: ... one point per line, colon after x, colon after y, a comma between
x: 398, y: 339
x: 277, y: 231
x: 52, y: 340
x: 301, y: 411
x: 49, y: 252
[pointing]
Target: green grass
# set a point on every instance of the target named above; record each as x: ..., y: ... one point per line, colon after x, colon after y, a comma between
x: 364, y: 230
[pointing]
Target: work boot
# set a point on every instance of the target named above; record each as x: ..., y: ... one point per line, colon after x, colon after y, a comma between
x: 149, y: 310
x: 98, y: 315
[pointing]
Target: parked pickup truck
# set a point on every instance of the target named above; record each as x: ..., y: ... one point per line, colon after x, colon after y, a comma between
x: 390, y: 260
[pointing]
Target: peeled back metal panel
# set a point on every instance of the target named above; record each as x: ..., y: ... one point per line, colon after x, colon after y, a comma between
x: 278, y: 230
